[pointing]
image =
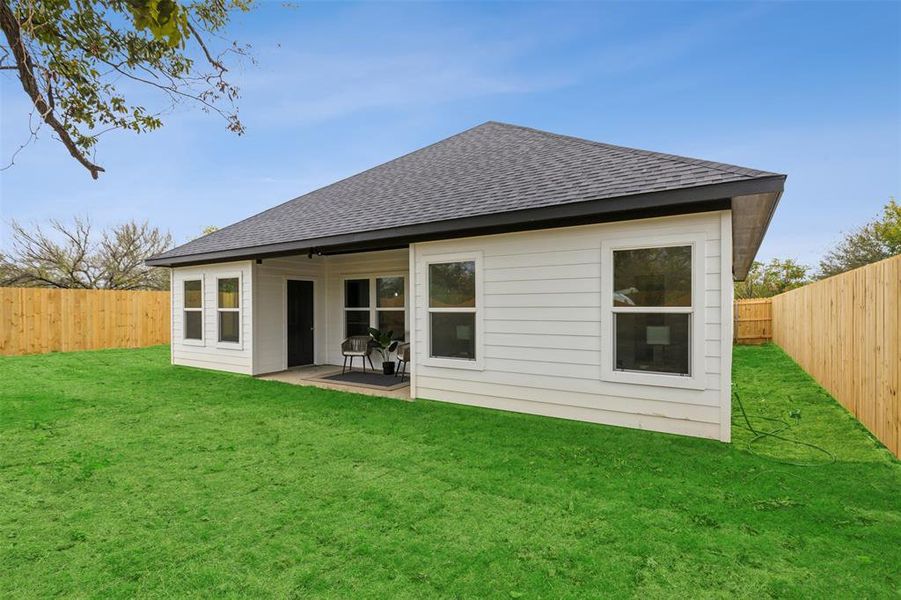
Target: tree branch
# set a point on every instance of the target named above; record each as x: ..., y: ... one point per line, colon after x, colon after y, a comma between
x: 206, y: 51
x: 24, y: 65
x: 171, y: 90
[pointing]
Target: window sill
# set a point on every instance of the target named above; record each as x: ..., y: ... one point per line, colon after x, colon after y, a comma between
x: 230, y: 345
x: 454, y: 363
x: 192, y: 342
x: 661, y: 380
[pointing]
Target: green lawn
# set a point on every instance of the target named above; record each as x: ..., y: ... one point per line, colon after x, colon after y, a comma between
x: 121, y: 475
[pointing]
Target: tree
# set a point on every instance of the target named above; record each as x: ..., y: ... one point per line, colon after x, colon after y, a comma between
x: 772, y: 278
x: 72, y: 58
x: 7, y: 271
x: 72, y: 257
x: 888, y: 229
x: 877, y: 240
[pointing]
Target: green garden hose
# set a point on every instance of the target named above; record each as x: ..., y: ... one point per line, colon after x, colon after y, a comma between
x: 782, y: 425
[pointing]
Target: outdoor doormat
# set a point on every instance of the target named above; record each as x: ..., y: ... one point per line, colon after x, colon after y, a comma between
x: 369, y: 379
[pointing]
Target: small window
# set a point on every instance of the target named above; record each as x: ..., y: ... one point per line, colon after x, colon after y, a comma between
x: 452, y: 310
x: 193, y: 309
x: 356, y: 307
x: 229, y: 309
x: 652, y: 310
x: 390, y: 303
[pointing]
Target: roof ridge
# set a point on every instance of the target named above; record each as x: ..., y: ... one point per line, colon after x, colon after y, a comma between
x: 724, y: 167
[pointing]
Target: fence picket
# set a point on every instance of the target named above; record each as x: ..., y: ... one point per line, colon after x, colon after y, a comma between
x: 844, y: 331
x: 40, y: 320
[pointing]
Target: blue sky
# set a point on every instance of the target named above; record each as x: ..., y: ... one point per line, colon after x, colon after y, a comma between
x: 808, y: 89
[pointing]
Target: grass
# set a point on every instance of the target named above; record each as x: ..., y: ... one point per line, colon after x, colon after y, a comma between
x: 121, y: 475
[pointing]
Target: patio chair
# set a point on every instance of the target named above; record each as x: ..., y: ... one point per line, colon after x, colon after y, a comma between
x: 357, y: 345
x: 403, y: 359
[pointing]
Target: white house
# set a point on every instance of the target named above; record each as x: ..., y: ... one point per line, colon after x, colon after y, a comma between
x: 529, y: 271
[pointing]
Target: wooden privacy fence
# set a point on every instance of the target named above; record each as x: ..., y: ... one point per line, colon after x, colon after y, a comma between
x: 753, y: 321
x: 845, y: 332
x: 38, y: 320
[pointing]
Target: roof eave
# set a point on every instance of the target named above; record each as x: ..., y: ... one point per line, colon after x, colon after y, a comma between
x: 751, y: 218
x: 643, y: 205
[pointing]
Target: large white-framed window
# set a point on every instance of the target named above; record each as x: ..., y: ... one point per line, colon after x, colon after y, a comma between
x: 378, y: 301
x: 454, y: 306
x: 653, y: 310
x: 228, y: 310
x: 192, y: 311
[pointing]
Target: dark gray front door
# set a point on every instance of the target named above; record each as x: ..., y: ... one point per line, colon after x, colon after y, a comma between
x: 300, y: 323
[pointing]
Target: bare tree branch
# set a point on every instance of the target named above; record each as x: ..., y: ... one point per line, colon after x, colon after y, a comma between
x: 69, y: 256
x: 32, y: 135
x: 206, y: 51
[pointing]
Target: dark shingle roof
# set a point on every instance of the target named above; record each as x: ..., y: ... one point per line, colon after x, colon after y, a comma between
x: 490, y: 169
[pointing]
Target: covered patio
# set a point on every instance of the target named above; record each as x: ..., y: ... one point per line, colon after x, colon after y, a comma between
x: 305, y: 306
x: 371, y: 383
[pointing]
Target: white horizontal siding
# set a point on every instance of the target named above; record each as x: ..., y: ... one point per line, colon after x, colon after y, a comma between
x: 674, y: 410
x: 541, y: 340
x: 570, y: 328
x: 559, y: 348
x: 210, y: 354
x: 590, y: 343
x: 542, y: 299
x: 587, y: 256
x: 635, y: 420
x: 546, y: 274
x: 270, y: 278
x: 528, y: 286
x: 558, y: 381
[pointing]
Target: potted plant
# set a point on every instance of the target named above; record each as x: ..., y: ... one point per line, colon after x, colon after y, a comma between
x: 382, y: 342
